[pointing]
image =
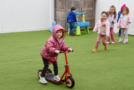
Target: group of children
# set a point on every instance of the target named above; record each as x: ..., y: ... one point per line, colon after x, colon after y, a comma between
x: 105, y: 27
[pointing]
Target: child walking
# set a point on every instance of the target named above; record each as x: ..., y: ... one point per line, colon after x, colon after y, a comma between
x: 103, y: 27
x: 71, y: 19
x: 54, y: 44
x: 124, y: 22
x: 112, y: 20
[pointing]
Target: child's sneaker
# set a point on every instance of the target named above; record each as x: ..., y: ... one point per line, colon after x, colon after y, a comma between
x: 113, y: 42
x: 119, y: 41
x: 107, y: 42
x: 57, y: 78
x: 43, y: 80
x: 72, y: 34
x: 124, y: 42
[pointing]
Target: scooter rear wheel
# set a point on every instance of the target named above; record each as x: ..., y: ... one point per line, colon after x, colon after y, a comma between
x: 70, y: 82
x: 40, y: 72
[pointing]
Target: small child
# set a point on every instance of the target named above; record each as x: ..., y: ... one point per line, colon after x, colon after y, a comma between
x: 124, y: 22
x: 103, y: 27
x: 119, y: 14
x: 71, y: 19
x: 112, y: 20
x: 54, y: 44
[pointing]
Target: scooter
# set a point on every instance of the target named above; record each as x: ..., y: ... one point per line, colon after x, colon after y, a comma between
x: 68, y: 76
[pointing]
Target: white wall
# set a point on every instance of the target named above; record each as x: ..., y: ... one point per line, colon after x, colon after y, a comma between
x: 104, y: 5
x: 0, y: 17
x: 25, y: 15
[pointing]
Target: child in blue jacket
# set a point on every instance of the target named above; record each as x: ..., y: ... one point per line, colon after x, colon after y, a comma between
x: 71, y: 19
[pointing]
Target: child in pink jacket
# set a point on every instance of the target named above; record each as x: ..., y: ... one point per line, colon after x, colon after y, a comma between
x: 123, y: 23
x: 54, y: 44
x: 103, y: 27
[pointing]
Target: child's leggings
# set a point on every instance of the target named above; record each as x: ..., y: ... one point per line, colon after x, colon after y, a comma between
x: 99, y: 39
x: 124, y: 31
x: 46, y: 65
x: 112, y: 35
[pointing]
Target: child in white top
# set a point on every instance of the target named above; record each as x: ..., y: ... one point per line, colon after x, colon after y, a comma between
x: 112, y: 20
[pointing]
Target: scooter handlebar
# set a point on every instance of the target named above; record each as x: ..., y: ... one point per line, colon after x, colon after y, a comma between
x: 56, y: 53
x: 64, y: 52
x: 70, y: 51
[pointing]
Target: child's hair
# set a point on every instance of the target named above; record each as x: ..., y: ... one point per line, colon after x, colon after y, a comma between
x: 63, y: 32
x: 115, y: 14
x: 73, y: 8
x: 125, y: 8
x: 104, y: 12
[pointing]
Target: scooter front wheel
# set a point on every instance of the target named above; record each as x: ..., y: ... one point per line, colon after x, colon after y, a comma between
x: 70, y: 82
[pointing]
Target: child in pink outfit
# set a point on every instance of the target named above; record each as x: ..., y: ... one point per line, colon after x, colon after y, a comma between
x: 124, y: 22
x: 54, y: 44
x: 103, y: 27
x: 112, y: 20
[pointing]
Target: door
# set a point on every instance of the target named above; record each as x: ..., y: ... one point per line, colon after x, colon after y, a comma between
x: 88, y: 6
x: 63, y: 7
x: 60, y: 12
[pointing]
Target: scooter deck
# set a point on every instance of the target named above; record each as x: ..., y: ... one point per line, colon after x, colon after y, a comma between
x: 50, y: 77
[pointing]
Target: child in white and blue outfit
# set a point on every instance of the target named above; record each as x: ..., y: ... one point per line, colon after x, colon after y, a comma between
x: 71, y: 19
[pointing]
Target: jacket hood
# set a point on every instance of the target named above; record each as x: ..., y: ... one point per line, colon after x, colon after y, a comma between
x: 55, y: 29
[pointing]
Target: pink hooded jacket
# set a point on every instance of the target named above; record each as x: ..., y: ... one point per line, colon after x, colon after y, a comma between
x: 102, y: 30
x: 53, y: 44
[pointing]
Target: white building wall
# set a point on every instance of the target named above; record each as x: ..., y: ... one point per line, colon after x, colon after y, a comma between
x: 25, y: 15
x: 104, y: 5
x: 0, y: 17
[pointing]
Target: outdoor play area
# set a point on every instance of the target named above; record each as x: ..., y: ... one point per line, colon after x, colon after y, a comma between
x: 105, y: 70
x: 66, y: 45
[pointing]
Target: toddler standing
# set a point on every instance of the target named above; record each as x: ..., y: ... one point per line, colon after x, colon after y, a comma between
x: 124, y: 22
x: 71, y: 19
x: 112, y: 20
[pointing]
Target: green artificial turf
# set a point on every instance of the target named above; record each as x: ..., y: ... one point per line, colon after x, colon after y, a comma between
x: 20, y: 60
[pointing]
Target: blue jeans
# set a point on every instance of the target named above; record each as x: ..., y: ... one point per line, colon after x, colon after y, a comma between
x: 72, y: 27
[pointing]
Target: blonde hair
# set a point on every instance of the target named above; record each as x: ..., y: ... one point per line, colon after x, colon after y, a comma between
x: 125, y: 8
x: 115, y: 13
